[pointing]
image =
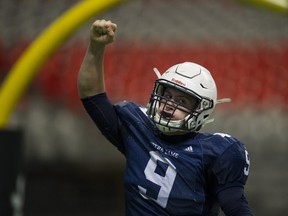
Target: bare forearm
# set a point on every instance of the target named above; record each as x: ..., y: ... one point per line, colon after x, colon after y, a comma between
x: 91, y: 73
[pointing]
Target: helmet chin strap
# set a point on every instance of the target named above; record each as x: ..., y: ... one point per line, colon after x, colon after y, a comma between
x: 208, y: 121
x: 223, y: 100
x: 169, y: 127
x: 156, y: 71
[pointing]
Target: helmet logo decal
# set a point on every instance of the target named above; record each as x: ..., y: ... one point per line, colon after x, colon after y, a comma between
x: 179, y: 82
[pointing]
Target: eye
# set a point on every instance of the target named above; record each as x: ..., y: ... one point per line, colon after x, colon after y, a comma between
x: 167, y: 96
x: 181, y: 101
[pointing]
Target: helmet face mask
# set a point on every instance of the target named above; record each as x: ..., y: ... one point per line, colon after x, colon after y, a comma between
x: 191, y: 80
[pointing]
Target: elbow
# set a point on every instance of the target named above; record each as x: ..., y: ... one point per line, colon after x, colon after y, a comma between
x: 87, y: 90
x: 83, y: 90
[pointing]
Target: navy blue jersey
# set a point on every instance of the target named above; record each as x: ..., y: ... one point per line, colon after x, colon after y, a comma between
x: 181, y: 174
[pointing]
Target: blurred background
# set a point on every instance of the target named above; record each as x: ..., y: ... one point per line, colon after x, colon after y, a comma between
x: 68, y: 167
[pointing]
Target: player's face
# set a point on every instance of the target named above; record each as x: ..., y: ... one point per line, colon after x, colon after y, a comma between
x: 176, y: 104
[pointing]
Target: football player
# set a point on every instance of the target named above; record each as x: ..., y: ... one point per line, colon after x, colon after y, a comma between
x: 171, y: 167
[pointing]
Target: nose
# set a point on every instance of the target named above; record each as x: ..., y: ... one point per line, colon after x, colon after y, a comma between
x: 170, y: 105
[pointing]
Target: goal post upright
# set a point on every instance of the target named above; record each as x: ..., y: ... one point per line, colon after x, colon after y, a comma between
x: 25, y: 69
x: 18, y: 80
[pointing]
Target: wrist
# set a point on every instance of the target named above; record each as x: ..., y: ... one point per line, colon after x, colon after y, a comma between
x: 96, y: 48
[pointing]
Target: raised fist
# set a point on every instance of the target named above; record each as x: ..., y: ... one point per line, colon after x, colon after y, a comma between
x: 103, y: 31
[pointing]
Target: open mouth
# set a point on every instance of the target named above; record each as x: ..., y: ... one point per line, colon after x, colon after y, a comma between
x: 166, y: 115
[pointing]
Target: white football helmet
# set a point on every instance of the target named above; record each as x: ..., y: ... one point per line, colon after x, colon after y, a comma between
x: 191, y: 79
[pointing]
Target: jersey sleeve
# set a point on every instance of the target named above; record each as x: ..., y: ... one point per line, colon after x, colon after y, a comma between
x: 232, y: 167
x: 104, y: 115
x: 233, y: 202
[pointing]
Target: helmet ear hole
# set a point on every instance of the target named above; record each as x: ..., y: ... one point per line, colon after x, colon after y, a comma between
x: 205, y: 116
x: 198, y: 128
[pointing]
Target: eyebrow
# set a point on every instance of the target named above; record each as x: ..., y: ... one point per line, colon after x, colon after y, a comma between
x: 178, y: 94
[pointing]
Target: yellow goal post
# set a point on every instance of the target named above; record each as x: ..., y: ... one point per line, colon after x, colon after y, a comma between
x: 25, y: 69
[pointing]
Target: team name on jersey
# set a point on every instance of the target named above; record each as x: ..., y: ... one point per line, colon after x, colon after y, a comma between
x: 165, y: 151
